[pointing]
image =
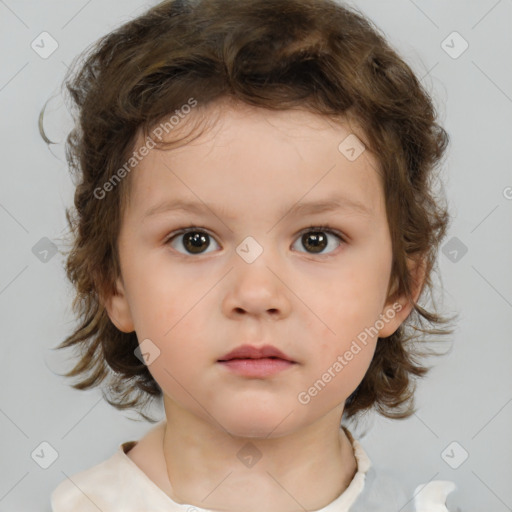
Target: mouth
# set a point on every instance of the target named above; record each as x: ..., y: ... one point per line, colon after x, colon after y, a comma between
x: 252, y: 352
x: 250, y: 361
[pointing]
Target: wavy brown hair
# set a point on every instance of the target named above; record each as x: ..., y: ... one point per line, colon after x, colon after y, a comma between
x: 274, y: 54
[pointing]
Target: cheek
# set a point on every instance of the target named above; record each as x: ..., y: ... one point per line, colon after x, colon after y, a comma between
x: 161, y: 298
x: 170, y: 322
x: 349, y: 308
x: 182, y: 347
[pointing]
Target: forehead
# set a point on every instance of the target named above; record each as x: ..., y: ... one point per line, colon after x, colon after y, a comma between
x: 247, y: 157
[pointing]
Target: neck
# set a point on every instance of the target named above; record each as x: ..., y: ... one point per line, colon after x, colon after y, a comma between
x: 209, y: 468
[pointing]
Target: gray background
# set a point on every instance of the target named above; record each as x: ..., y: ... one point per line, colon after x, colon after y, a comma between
x: 465, y: 399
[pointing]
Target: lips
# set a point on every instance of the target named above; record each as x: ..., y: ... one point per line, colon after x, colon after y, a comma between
x: 252, y: 362
x: 251, y: 352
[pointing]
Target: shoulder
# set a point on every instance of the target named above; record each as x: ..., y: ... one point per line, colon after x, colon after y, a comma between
x: 385, y: 487
x: 96, y: 488
x: 431, y: 497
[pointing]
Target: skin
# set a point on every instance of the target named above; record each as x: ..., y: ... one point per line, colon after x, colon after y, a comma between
x: 255, y: 164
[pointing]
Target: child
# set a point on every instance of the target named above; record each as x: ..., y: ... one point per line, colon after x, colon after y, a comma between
x: 254, y: 227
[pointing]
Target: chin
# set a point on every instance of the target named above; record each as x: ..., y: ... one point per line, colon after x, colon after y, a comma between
x: 258, y: 424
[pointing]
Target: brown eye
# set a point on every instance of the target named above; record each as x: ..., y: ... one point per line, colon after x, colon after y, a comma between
x: 316, y: 239
x: 193, y: 241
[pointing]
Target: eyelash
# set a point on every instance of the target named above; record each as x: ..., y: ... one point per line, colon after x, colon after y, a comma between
x: 323, y: 228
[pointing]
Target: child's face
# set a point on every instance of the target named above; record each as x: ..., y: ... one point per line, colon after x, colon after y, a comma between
x: 198, y: 299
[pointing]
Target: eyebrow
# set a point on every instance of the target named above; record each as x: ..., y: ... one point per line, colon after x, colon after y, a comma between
x: 329, y: 204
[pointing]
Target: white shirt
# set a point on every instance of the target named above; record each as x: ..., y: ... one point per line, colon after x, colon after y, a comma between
x: 119, y: 485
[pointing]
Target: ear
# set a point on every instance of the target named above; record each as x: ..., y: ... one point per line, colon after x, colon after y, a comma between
x: 118, y: 308
x: 397, y: 308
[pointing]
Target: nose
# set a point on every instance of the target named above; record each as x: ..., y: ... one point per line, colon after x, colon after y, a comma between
x: 257, y: 290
